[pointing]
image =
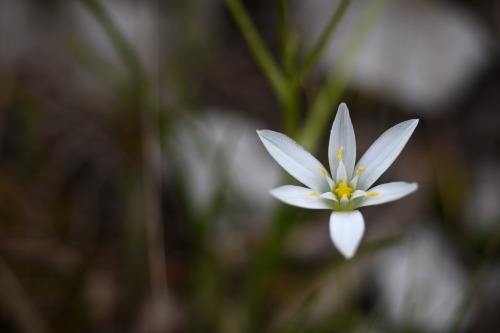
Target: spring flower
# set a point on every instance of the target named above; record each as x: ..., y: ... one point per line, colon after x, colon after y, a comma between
x: 348, y: 185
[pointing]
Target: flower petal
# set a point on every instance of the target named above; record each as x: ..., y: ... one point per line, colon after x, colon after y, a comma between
x: 389, y: 192
x: 341, y: 173
x: 329, y: 196
x: 383, y: 152
x: 357, y: 194
x: 295, y: 160
x: 342, y: 135
x: 346, y: 230
x: 301, y: 197
x: 357, y: 198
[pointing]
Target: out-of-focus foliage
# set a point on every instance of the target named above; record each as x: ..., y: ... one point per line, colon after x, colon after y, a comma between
x: 134, y: 190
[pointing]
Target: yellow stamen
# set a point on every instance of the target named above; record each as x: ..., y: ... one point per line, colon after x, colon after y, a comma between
x: 323, y: 171
x: 314, y: 194
x: 372, y: 194
x: 343, y: 190
x: 360, y: 169
x: 339, y: 154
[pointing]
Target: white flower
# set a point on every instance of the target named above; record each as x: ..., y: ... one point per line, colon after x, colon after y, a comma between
x: 349, y: 186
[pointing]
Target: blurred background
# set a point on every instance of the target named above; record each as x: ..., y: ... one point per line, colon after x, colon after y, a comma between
x: 134, y: 191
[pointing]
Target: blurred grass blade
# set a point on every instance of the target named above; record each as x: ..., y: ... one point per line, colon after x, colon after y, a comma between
x: 17, y: 300
x: 262, y: 55
x: 146, y: 101
x: 266, y: 261
x: 320, y: 276
x: 325, y: 38
x: 289, y: 43
x: 380, y: 244
x: 474, y: 284
x: 338, y: 260
x: 125, y: 51
x: 283, y: 90
x: 284, y: 29
x: 329, y: 96
x: 105, y: 71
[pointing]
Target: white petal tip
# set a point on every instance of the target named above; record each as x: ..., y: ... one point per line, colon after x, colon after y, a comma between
x: 412, y: 187
x: 347, y: 253
x: 348, y: 256
x: 414, y: 122
x: 343, y: 108
x: 300, y: 197
x: 346, y: 231
x: 292, y: 157
x: 388, y: 192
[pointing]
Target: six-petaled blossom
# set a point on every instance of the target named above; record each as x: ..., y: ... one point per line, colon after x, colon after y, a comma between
x: 348, y: 186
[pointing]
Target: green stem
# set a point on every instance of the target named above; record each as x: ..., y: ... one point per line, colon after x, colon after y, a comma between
x: 278, y: 81
x: 259, y: 50
x: 336, y: 83
x: 323, y: 41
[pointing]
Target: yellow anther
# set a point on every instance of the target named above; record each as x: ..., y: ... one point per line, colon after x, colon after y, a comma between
x: 343, y: 190
x: 360, y: 169
x: 323, y: 171
x: 372, y: 194
x: 314, y: 194
x: 339, y: 154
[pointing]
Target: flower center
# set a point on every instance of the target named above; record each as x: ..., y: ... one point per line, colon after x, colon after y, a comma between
x: 343, y: 190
